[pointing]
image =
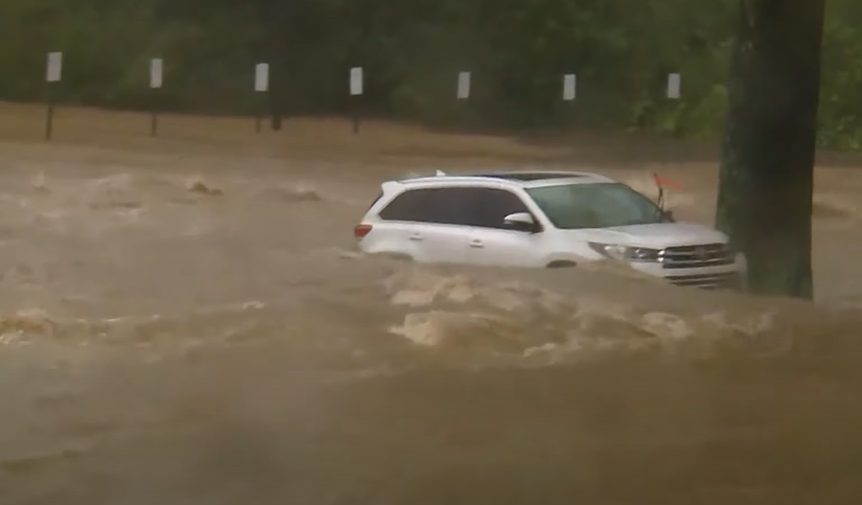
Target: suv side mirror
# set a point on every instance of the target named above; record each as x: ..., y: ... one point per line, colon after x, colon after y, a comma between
x: 521, y: 221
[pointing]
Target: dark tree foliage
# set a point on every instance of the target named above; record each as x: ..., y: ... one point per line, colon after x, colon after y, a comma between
x: 766, y: 181
x: 412, y: 51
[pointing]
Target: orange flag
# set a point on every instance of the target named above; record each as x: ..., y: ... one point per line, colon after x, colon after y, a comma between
x: 666, y: 183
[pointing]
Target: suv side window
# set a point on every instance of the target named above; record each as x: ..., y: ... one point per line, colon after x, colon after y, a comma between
x: 491, y: 206
x: 411, y: 205
x: 452, y: 206
x: 465, y: 206
x: 430, y: 205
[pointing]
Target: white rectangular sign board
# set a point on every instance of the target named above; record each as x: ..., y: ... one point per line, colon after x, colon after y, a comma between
x: 570, y: 83
x: 54, y: 69
x: 463, y: 85
x: 156, y: 73
x: 261, y: 77
x: 673, y: 86
x: 356, y: 81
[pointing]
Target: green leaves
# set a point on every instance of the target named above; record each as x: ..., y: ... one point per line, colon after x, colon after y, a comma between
x: 518, y: 50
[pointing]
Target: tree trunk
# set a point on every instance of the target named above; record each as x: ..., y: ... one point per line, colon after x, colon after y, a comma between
x: 767, y: 168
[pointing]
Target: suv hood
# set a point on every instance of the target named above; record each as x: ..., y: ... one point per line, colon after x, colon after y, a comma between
x: 654, y: 236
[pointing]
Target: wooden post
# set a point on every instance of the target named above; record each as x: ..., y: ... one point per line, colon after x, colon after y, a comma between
x: 53, y: 75
x: 357, y: 85
x: 155, y: 86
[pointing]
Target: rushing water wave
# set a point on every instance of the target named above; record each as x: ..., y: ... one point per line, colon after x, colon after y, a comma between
x: 181, y: 335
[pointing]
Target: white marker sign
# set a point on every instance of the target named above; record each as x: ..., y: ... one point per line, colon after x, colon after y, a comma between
x: 570, y: 82
x: 54, y: 68
x: 673, y: 86
x: 261, y: 77
x: 156, y: 73
x: 463, y: 92
x: 356, y: 81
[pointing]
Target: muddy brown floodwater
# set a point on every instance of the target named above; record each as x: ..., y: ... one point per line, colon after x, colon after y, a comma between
x: 189, y: 328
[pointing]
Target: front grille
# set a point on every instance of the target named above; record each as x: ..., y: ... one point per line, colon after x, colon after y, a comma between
x: 696, y: 256
x: 729, y: 280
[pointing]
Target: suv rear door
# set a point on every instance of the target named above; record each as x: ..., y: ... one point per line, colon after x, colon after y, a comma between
x: 424, y: 223
x: 458, y: 225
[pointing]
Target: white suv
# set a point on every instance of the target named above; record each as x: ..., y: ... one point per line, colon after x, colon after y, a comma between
x: 543, y: 219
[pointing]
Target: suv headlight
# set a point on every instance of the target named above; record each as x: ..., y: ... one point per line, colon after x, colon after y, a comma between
x: 626, y: 253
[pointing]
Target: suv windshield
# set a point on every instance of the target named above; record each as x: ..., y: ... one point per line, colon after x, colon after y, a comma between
x: 600, y: 205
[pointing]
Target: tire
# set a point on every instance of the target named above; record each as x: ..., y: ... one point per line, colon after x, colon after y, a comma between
x: 561, y: 264
x: 394, y: 256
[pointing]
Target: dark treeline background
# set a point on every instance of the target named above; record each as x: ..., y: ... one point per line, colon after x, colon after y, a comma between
x: 412, y: 50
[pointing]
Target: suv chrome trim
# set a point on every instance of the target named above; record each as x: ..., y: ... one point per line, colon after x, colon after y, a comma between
x: 696, y: 256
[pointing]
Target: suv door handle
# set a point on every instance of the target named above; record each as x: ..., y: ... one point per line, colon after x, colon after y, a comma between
x: 416, y: 237
x: 476, y: 243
